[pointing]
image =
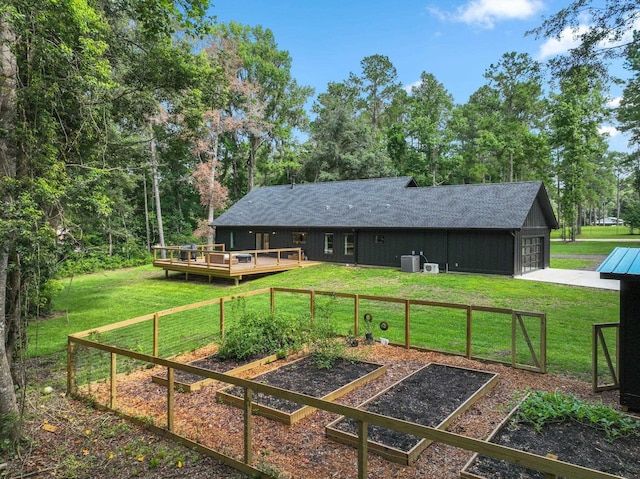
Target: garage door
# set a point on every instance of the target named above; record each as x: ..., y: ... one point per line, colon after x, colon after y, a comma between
x: 532, y: 254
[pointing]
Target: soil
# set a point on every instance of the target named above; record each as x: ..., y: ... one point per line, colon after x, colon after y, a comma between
x: 570, y: 441
x: 212, y: 362
x: 427, y: 397
x: 305, y: 377
x: 298, y: 451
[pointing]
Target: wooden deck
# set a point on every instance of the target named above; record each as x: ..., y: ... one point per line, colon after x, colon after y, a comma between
x: 214, y: 261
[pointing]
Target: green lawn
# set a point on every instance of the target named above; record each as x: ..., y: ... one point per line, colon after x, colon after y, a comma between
x: 570, y: 263
x: 98, y: 299
x: 602, y: 232
x: 590, y: 247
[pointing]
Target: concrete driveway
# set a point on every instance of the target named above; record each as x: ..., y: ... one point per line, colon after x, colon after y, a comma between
x: 573, y: 277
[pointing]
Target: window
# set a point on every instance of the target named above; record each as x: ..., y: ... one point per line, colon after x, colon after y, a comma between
x: 378, y: 239
x: 232, y: 240
x: 349, y: 240
x: 328, y: 243
x: 299, y: 238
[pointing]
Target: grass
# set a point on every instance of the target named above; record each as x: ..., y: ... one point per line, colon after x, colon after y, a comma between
x: 570, y: 263
x: 590, y: 247
x: 602, y: 232
x: 98, y: 299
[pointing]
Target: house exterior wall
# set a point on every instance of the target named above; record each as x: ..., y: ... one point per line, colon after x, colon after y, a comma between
x: 490, y: 252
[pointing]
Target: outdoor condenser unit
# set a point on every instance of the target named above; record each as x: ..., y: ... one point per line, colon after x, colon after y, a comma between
x: 410, y: 263
x: 431, y: 268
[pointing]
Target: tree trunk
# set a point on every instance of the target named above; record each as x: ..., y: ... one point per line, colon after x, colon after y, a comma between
x: 212, y: 179
x: 156, y: 193
x: 146, y: 211
x: 8, y: 164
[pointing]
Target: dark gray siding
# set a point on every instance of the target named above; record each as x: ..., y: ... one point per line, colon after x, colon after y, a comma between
x: 488, y: 252
x: 491, y: 252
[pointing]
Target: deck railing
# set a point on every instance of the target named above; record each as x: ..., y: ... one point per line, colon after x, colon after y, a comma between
x: 215, y: 256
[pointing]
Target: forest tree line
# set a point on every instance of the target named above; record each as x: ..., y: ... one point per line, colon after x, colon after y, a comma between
x: 128, y: 124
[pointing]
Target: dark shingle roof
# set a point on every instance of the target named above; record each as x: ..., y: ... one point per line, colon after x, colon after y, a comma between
x: 389, y: 203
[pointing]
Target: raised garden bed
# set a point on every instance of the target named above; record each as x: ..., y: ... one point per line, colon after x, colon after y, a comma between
x: 432, y: 396
x: 303, y: 376
x: 568, y: 441
x: 188, y: 382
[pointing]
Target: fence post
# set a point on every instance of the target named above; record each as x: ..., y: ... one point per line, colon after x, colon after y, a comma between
x: 543, y: 343
x: 513, y: 339
x: 221, y: 317
x: 112, y: 389
x: 312, y: 305
x: 363, y: 442
x: 70, y: 366
x: 248, y: 426
x: 356, y: 314
x: 272, y: 297
x: 469, y: 330
x: 170, y: 398
x: 155, y: 334
x: 407, y: 324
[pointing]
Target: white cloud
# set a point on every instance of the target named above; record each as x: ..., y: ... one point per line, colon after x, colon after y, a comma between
x: 614, y: 102
x: 611, y: 131
x: 486, y: 13
x: 570, y: 38
x: 411, y: 86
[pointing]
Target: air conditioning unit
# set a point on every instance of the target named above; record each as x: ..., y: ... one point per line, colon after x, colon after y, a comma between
x: 410, y: 264
x: 431, y: 268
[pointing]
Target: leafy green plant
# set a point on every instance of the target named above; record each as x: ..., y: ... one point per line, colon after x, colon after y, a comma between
x: 254, y: 335
x: 325, y: 344
x: 540, y: 408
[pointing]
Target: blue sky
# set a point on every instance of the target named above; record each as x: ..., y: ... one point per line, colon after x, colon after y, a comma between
x: 456, y: 41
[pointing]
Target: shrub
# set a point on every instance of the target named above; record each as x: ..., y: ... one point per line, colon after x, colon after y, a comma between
x: 255, y: 335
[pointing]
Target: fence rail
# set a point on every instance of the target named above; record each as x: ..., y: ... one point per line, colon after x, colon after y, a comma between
x: 520, y: 333
x: 363, y: 417
x: 599, y: 341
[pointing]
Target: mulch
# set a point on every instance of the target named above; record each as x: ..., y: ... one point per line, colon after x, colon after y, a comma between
x: 303, y: 451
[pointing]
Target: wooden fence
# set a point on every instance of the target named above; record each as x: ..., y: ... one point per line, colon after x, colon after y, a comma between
x: 550, y: 466
x: 533, y: 461
x: 598, y: 341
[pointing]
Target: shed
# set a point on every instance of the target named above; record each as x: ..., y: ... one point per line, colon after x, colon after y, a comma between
x: 624, y: 264
x: 501, y: 228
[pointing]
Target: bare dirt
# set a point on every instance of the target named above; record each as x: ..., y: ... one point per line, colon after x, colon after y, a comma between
x: 113, y: 448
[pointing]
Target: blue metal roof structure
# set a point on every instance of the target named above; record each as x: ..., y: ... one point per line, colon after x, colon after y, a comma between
x: 622, y: 263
